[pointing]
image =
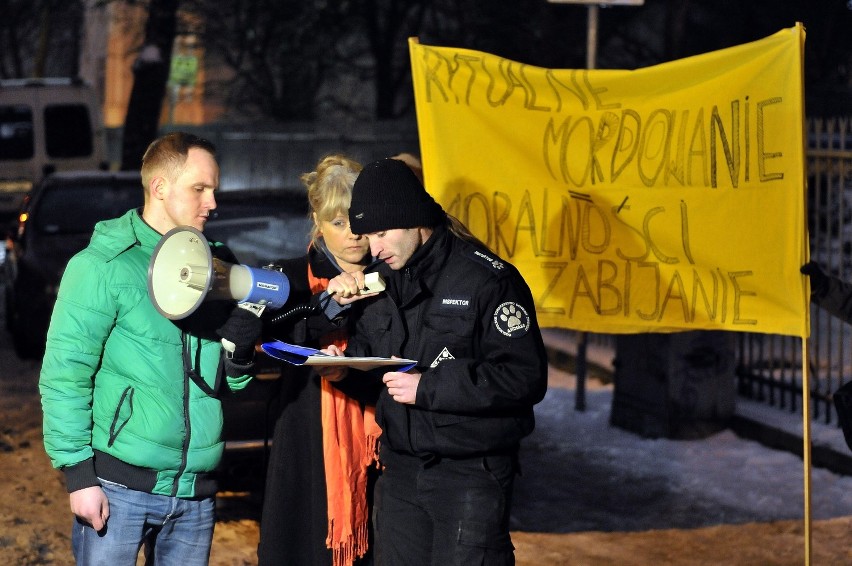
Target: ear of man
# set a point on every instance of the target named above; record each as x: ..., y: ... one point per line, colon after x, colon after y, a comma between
x: 159, y: 187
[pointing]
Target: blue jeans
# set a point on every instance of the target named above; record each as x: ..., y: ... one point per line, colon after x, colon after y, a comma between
x: 175, y: 531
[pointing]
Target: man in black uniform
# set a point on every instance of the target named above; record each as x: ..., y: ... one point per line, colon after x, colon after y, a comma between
x: 451, y: 425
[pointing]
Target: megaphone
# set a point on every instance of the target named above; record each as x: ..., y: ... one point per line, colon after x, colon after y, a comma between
x: 183, y: 274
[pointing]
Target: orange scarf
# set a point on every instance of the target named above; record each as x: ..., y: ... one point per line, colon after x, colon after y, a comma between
x: 349, y: 441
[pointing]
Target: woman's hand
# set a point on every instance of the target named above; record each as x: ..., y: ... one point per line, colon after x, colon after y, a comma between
x: 332, y: 373
x: 348, y: 287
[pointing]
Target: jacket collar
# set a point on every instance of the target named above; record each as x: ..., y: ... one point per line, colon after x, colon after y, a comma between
x: 321, y: 265
x: 113, y: 237
x: 430, y: 256
x: 322, y: 261
x: 412, y: 280
x: 146, y: 236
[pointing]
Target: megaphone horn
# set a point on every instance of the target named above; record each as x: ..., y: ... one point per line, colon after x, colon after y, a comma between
x: 183, y: 274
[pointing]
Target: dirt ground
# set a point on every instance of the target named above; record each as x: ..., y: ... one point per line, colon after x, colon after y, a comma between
x: 35, y: 520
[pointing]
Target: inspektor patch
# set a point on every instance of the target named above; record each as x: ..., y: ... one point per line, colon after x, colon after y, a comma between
x: 512, y: 320
x: 495, y: 263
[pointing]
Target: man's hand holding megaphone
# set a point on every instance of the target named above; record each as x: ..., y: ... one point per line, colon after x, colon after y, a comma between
x: 240, y: 334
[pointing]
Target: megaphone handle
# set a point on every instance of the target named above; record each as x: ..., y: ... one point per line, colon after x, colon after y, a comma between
x: 253, y: 308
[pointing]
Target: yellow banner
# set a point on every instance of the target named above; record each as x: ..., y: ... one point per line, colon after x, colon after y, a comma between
x: 663, y: 199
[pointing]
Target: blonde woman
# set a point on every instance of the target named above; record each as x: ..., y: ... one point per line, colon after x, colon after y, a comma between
x: 315, y: 508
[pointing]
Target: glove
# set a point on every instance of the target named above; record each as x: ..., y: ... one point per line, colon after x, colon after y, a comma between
x: 819, y: 280
x: 242, y: 330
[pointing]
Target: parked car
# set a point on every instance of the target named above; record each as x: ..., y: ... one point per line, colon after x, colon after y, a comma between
x: 55, y: 222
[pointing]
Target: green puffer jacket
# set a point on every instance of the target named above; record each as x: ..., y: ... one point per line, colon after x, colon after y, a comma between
x: 117, y: 402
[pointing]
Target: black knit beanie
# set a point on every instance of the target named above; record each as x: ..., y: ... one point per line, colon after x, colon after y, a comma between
x: 388, y: 195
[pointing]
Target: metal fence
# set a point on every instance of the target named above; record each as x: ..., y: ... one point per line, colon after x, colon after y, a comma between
x: 769, y: 366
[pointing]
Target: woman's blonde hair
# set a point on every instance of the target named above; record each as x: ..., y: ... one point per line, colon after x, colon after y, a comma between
x: 330, y: 188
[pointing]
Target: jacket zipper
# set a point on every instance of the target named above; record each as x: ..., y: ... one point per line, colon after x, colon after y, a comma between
x: 407, y: 339
x: 126, y: 396
x: 185, y: 342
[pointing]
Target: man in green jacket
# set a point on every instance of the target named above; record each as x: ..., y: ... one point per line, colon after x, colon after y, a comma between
x: 131, y: 414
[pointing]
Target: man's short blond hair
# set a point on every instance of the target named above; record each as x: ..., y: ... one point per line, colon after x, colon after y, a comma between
x: 166, y: 155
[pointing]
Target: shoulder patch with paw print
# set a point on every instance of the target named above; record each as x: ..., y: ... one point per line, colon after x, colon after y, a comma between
x: 512, y: 320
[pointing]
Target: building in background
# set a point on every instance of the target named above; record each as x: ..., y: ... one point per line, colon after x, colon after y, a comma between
x: 113, y: 36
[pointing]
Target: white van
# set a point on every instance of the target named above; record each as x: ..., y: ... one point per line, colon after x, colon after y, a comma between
x: 46, y: 125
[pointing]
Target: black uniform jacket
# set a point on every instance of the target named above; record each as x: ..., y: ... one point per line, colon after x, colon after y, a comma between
x: 469, y: 319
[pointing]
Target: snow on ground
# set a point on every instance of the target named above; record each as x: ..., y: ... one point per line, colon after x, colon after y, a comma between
x: 597, y: 477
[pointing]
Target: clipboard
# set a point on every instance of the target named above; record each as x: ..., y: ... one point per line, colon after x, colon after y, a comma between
x: 304, y: 356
